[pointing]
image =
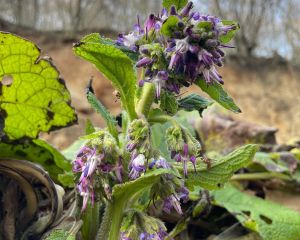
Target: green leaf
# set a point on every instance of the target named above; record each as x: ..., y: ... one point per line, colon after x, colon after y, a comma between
x: 71, y: 152
x: 177, y: 3
x: 32, y: 96
x: 265, y: 160
x: 221, y: 169
x: 168, y: 103
x: 128, y: 189
x: 115, y: 66
x: 229, y: 36
x: 134, y: 56
x: 121, y: 194
x: 99, y: 108
x: 169, y: 26
x: 270, y: 220
x: 194, y: 102
x: 216, y: 92
x: 38, y: 151
x: 158, y: 139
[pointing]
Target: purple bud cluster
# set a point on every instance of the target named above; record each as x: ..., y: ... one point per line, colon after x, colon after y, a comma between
x: 184, y: 148
x: 139, y: 147
x: 178, y: 47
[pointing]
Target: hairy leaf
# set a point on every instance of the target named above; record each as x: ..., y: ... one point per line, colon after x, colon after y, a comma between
x: 177, y: 3
x: 134, y: 56
x: 114, y: 64
x: 194, y: 102
x: 128, y: 189
x: 270, y: 220
x: 121, y: 195
x: 230, y: 35
x: 221, y: 169
x: 99, y: 108
x: 216, y: 92
x: 32, y: 96
x: 40, y: 152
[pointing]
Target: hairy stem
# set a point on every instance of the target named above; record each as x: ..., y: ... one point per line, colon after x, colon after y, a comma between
x: 146, y: 100
x: 257, y: 176
x: 105, y: 223
x: 116, y: 220
x: 112, y: 220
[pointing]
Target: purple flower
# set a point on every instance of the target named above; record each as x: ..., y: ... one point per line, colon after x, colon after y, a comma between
x: 143, y: 62
x: 184, y: 194
x: 124, y: 236
x: 137, y: 166
x: 170, y: 202
x: 160, y: 235
x: 149, y: 24
x: 162, y: 163
x: 160, y: 81
x: 186, y: 10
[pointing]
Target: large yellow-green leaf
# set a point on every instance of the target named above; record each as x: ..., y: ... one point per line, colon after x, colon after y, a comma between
x: 114, y: 64
x: 32, y: 96
x: 221, y: 169
x: 270, y: 220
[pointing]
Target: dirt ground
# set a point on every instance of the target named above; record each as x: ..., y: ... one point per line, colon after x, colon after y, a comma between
x: 267, y: 94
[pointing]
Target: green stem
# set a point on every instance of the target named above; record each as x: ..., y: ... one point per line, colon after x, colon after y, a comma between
x: 117, y: 217
x: 105, y: 223
x: 112, y: 220
x: 257, y: 176
x: 146, y: 100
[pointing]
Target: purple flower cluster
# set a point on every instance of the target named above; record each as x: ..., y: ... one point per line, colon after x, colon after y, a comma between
x: 173, y: 191
x: 98, y: 157
x: 86, y: 163
x: 177, y: 48
x: 173, y: 201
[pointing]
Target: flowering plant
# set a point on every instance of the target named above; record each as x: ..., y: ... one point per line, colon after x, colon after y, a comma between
x: 121, y: 164
x: 146, y: 174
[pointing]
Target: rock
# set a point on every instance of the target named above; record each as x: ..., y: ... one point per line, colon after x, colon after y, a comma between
x: 223, y: 133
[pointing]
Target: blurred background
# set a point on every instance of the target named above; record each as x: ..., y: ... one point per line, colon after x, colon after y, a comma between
x: 262, y: 73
